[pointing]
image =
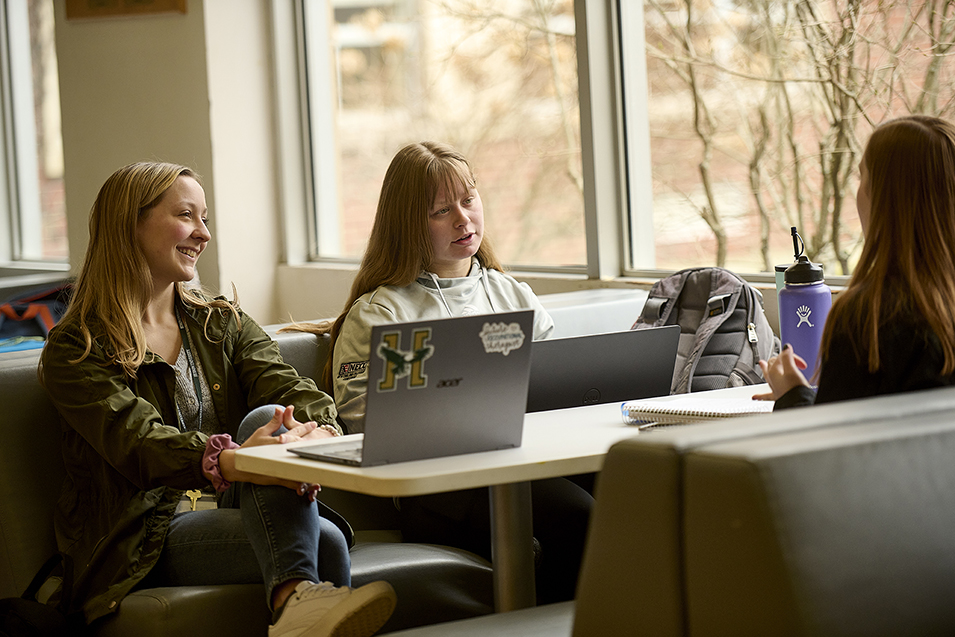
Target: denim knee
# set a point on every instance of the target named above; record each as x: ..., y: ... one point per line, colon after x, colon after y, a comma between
x: 334, y: 561
x: 255, y: 419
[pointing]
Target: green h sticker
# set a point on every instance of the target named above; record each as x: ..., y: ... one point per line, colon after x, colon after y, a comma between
x: 399, y: 363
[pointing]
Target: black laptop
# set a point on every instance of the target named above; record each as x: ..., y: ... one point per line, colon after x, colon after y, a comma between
x: 602, y: 368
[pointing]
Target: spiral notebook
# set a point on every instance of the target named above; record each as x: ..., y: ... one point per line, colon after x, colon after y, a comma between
x: 689, y: 408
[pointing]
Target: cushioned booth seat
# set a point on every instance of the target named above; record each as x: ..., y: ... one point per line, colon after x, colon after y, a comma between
x: 838, y: 531
x: 831, y: 520
x: 636, y: 539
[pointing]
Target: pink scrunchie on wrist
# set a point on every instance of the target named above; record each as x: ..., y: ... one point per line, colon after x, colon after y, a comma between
x: 210, y: 460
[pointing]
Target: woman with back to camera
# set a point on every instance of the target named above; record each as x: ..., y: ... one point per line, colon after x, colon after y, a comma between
x: 152, y: 377
x: 893, y: 328
x: 428, y: 257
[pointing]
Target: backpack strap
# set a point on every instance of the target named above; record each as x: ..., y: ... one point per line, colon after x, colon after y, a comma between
x: 763, y: 341
x: 654, y: 308
x: 661, y: 301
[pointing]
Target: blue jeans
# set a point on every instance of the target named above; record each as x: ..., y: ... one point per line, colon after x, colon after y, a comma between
x: 274, y: 535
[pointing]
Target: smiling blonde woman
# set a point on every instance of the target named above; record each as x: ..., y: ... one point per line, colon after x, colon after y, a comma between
x: 152, y: 378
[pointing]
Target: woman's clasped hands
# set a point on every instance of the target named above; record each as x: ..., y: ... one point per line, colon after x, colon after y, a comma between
x: 265, y: 435
x: 782, y: 372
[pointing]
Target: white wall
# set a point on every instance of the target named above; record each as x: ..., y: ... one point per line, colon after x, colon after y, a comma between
x: 193, y: 89
x: 131, y: 89
x: 248, y: 227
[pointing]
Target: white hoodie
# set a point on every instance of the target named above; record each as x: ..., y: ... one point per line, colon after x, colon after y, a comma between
x: 481, y: 292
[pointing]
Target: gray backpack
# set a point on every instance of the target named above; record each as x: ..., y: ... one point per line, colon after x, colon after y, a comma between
x: 723, y: 329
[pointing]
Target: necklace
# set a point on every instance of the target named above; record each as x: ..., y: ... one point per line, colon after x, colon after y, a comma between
x: 193, y: 371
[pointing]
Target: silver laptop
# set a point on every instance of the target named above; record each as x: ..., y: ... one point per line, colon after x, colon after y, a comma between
x: 602, y: 368
x: 441, y: 388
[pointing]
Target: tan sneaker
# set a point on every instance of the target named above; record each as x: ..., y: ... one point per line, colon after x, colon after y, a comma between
x: 323, y: 610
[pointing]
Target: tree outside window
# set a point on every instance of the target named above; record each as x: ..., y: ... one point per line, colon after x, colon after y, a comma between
x: 759, y: 112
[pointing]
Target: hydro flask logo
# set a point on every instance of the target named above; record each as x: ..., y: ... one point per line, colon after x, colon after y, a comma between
x: 803, y: 313
x: 399, y: 363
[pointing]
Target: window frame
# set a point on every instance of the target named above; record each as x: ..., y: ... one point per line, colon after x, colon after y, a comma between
x: 21, y: 232
x: 601, y: 147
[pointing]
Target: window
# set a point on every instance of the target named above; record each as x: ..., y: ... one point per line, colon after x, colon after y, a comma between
x: 759, y: 112
x: 31, y: 187
x: 692, y: 133
x: 495, y: 79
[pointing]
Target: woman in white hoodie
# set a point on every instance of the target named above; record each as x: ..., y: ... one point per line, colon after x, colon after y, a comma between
x: 428, y: 257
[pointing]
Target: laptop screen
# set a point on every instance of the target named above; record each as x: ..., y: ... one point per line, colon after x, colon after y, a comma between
x: 602, y: 368
x: 447, y: 386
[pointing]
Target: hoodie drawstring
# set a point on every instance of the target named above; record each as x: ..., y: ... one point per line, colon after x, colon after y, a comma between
x: 487, y: 290
x: 444, y: 301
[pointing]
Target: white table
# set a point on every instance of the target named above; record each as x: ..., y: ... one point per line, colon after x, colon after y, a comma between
x: 556, y: 443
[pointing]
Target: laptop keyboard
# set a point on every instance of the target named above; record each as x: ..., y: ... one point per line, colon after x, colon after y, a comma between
x: 350, y: 450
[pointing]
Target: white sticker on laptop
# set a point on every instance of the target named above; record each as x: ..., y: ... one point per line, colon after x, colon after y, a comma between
x: 501, y: 338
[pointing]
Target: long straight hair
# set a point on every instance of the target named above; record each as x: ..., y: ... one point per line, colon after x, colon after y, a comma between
x: 399, y: 247
x: 907, y: 265
x: 114, y: 285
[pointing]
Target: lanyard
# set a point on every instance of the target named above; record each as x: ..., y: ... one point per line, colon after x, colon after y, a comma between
x: 193, y: 370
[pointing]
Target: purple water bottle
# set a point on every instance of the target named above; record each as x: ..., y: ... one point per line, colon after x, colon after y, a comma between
x: 804, y: 304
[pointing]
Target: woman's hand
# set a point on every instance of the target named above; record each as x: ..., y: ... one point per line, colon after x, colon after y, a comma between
x: 264, y: 435
x: 782, y: 372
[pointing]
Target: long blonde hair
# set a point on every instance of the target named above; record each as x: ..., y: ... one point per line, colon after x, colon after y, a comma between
x: 399, y: 247
x: 114, y: 284
x: 907, y: 265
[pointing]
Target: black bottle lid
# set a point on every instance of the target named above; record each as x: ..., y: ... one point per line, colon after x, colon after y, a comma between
x: 804, y: 271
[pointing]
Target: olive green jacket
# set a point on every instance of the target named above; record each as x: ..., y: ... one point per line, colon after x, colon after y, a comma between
x: 127, y: 463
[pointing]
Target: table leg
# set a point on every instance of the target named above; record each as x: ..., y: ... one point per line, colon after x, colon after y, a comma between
x: 512, y: 546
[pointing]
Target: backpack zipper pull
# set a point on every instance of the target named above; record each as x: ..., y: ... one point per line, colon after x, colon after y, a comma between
x: 751, y: 331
